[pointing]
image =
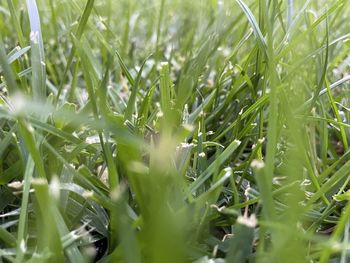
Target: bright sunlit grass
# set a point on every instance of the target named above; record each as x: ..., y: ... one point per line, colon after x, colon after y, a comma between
x: 174, y: 131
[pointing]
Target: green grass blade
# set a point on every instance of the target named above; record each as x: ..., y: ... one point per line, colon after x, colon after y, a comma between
x: 6, y: 70
x: 37, y: 52
x: 132, y: 99
x: 78, y: 34
x: 215, y: 165
x: 254, y: 24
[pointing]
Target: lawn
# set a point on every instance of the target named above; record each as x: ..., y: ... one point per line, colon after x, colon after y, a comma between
x: 169, y: 131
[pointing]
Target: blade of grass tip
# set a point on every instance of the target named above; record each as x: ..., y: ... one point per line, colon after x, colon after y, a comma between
x: 78, y: 34
x: 257, y: 32
x: 17, y: 54
x: 125, y: 69
x: 130, y: 108
x: 13, y: 51
x: 25, y: 72
x: 37, y: 52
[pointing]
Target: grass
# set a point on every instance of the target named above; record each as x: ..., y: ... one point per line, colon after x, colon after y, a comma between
x: 174, y: 131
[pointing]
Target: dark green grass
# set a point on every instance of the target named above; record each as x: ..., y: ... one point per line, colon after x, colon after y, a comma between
x: 174, y: 131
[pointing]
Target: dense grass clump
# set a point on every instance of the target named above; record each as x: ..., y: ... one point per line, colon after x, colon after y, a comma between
x: 174, y: 131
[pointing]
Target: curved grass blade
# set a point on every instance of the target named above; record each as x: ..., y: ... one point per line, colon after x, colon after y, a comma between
x: 17, y: 54
x: 37, y: 52
x: 7, y: 237
x: 125, y: 69
x: 254, y: 24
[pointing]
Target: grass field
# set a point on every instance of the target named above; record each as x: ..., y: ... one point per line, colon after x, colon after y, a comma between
x: 169, y: 131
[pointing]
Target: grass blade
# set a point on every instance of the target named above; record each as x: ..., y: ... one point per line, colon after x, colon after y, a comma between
x: 78, y: 34
x: 254, y: 24
x: 37, y: 52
